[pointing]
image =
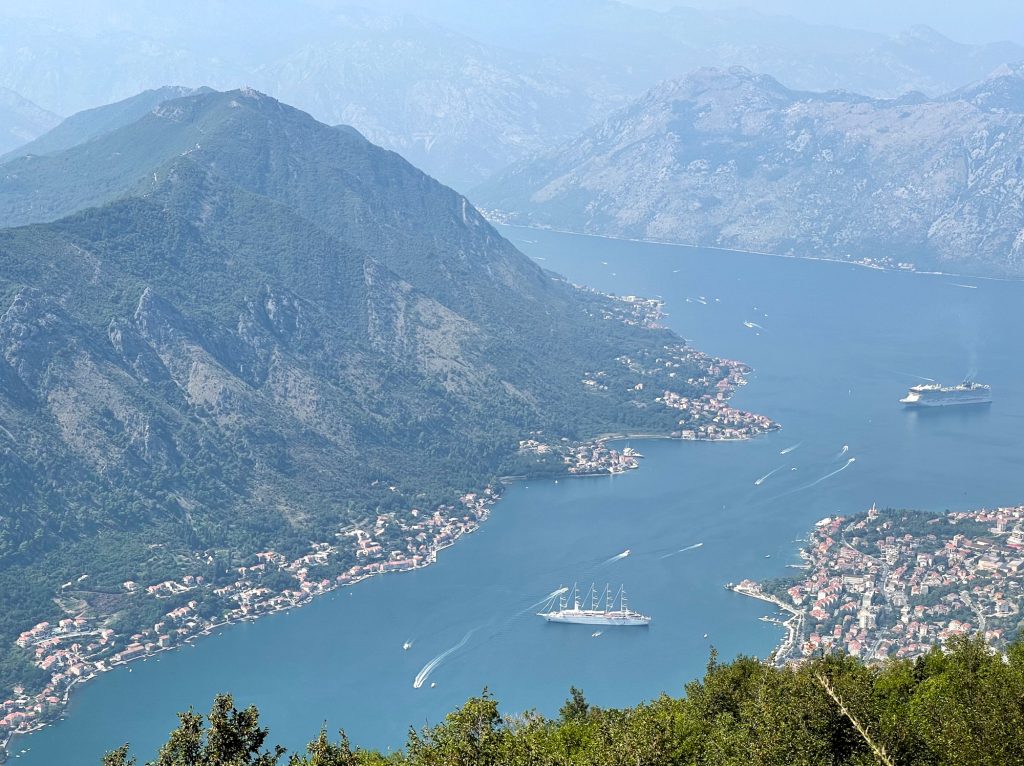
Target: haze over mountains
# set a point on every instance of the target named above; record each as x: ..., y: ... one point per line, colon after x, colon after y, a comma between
x: 460, y: 89
x: 734, y: 159
x: 21, y: 120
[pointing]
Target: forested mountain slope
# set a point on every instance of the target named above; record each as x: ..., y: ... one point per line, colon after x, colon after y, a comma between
x: 250, y: 329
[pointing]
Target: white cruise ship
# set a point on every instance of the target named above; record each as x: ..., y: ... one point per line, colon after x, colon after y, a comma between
x: 935, y: 395
x: 602, y: 610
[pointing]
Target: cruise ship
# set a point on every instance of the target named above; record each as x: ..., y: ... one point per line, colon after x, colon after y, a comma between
x: 935, y: 395
x: 602, y: 609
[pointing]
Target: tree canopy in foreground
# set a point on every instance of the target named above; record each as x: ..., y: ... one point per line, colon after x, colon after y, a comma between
x: 962, y: 706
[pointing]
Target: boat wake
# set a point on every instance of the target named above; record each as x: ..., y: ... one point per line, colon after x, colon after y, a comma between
x: 842, y: 468
x: 759, y: 482
x: 752, y: 325
x: 682, y: 550
x: 430, y: 666
x: 615, y: 558
x: 843, y: 451
x: 969, y: 287
x: 912, y: 375
x: 548, y: 598
x: 787, y: 450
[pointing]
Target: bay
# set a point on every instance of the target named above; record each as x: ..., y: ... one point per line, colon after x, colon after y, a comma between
x: 833, y: 347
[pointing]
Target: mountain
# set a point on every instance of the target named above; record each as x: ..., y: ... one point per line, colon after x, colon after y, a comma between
x: 78, y: 58
x: 645, y: 45
x: 461, y: 89
x: 729, y: 158
x: 21, y: 120
x: 456, y: 108
x: 226, y: 327
x: 87, y: 125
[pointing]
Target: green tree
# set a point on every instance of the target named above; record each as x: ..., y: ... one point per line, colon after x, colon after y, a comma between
x: 322, y: 752
x: 233, y: 738
x: 473, y: 735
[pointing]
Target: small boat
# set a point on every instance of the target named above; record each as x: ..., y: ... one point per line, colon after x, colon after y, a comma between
x: 406, y: 646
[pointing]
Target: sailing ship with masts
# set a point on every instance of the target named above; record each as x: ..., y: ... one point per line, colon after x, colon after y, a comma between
x: 604, y: 608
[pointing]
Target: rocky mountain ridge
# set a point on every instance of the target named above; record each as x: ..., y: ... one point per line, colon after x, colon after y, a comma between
x: 21, y: 120
x: 734, y: 159
x: 460, y: 92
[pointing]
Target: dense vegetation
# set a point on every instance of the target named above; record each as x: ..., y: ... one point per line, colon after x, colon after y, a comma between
x: 961, y: 707
x: 264, y: 329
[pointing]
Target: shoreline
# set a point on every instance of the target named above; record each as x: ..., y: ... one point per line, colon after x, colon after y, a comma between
x: 192, y: 640
x: 792, y: 625
x: 718, y: 248
x: 432, y: 558
x: 706, y: 421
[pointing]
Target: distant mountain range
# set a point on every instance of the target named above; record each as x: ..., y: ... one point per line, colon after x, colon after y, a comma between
x: 461, y: 90
x: 87, y: 125
x: 449, y: 104
x: 21, y: 120
x: 734, y: 159
x: 225, y: 325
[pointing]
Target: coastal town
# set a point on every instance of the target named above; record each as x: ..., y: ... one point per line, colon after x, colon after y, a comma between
x: 81, y: 646
x: 887, y: 584
x: 697, y: 387
x: 90, y: 640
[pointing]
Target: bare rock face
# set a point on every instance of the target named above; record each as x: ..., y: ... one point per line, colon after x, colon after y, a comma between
x: 734, y: 159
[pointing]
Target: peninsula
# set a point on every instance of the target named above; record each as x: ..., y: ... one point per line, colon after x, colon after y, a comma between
x: 895, y: 583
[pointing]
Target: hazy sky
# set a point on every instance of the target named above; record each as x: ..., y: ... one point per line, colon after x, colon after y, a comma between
x: 978, y: 21
x: 962, y: 20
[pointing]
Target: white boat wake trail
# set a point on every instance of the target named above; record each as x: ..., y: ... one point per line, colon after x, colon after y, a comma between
x: 430, y: 666
x: 842, y: 468
x: 912, y: 375
x: 760, y: 481
x: 552, y: 595
x: 789, y: 449
x: 615, y: 558
x: 682, y: 550
x: 844, y: 450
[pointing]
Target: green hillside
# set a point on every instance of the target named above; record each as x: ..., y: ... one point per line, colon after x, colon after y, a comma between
x: 250, y: 330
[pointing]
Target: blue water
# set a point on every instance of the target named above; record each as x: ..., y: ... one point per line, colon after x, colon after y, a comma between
x: 839, y: 346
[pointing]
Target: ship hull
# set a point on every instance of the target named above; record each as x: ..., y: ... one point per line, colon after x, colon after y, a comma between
x: 582, y: 618
x: 915, y: 404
